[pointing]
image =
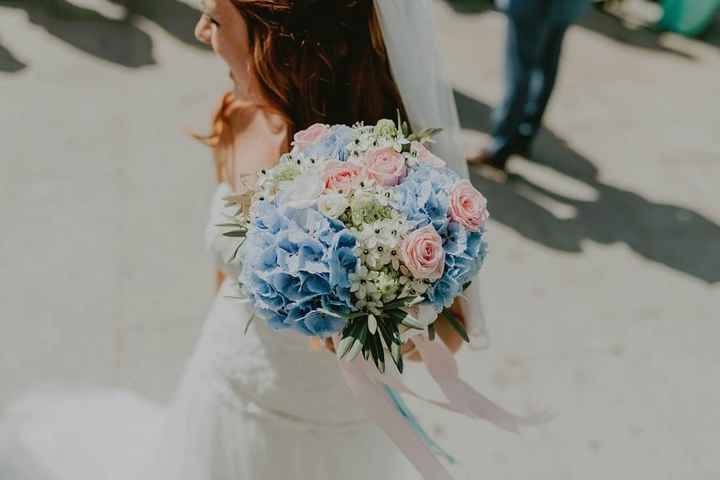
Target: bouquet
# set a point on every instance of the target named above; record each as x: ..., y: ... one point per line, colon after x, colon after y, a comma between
x: 361, y: 234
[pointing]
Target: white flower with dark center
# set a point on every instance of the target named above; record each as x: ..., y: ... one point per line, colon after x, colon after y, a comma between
x: 384, y: 196
x: 362, y: 283
x: 394, y: 254
x: 412, y: 287
x: 371, y: 304
x: 363, y: 252
x: 379, y: 256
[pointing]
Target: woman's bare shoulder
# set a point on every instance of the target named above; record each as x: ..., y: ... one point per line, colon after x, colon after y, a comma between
x: 260, y: 138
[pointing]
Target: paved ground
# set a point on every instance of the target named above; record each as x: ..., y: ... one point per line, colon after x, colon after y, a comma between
x: 602, y: 289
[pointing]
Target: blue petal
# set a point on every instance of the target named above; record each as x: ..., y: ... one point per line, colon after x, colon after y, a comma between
x: 323, y: 324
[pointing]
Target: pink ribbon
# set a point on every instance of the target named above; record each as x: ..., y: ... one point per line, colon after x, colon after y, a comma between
x: 384, y: 414
x: 367, y: 385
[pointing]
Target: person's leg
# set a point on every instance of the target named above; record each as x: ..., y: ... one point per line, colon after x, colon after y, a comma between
x: 521, y: 58
x: 542, y: 83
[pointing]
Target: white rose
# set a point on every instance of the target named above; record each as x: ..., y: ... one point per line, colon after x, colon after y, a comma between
x: 332, y: 204
x: 300, y: 192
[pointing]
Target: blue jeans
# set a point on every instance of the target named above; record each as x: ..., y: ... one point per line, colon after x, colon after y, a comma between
x: 535, y: 33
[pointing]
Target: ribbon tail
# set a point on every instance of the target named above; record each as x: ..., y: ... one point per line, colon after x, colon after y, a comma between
x: 382, y: 411
x: 396, y: 383
x: 443, y: 368
x: 413, y: 421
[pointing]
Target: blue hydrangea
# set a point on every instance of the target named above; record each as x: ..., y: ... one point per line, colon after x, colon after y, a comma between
x: 333, y: 145
x: 424, y: 196
x: 296, y: 269
x: 465, y: 254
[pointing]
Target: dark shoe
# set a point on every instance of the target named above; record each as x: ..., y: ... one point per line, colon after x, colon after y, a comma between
x: 486, y: 158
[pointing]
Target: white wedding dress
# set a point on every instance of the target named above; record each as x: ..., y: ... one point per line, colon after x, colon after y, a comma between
x: 259, y: 406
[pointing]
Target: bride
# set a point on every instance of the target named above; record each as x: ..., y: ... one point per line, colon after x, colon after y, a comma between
x: 259, y: 405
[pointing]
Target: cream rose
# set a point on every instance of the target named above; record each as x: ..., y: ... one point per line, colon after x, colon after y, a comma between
x: 468, y: 206
x: 422, y: 253
x: 385, y: 166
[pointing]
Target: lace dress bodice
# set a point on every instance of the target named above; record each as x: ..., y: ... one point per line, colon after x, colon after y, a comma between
x: 272, y: 373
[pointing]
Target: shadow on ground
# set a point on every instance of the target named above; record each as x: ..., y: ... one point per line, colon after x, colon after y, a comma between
x: 614, y: 28
x: 8, y: 62
x: 118, y: 41
x: 674, y: 236
x: 470, y: 6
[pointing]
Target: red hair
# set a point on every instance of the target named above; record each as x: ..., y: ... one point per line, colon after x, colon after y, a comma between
x: 322, y: 63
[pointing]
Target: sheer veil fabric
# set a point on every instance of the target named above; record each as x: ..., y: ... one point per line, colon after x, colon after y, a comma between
x: 417, y: 67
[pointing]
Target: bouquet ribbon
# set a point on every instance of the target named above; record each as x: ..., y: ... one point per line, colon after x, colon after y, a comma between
x: 368, y: 386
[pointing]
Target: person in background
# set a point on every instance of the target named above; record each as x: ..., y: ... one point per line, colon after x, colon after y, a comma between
x: 535, y: 33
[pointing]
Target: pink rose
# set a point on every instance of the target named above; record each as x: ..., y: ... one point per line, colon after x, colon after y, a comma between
x: 424, y: 155
x: 468, y: 206
x: 422, y: 253
x: 307, y: 137
x: 342, y: 176
x: 385, y: 166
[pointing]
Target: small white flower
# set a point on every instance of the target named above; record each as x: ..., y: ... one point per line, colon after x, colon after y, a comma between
x: 371, y: 304
x: 362, y: 283
x: 384, y: 196
x: 394, y: 253
x: 360, y: 145
x: 363, y: 252
x: 379, y: 256
x: 413, y: 287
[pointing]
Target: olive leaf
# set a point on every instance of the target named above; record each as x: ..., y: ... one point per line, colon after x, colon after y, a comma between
x: 456, y: 323
x: 425, y: 136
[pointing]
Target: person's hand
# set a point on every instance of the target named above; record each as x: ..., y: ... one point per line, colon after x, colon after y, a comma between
x: 317, y: 344
x: 329, y: 345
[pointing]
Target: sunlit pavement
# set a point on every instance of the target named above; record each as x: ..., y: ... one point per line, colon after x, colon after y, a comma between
x: 602, y: 288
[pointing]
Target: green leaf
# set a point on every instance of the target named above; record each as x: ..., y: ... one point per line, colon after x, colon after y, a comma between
x: 235, y: 234
x: 401, y: 302
x: 372, y: 324
x: 249, y: 322
x: 396, y: 355
x: 234, y: 255
x: 363, y: 334
x: 456, y: 324
x: 411, y: 322
x: 232, y: 225
x: 386, y: 335
x: 344, y: 347
x: 378, y: 353
x: 366, y: 351
x: 351, y: 348
x: 397, y: 315
x: 425, y: 135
